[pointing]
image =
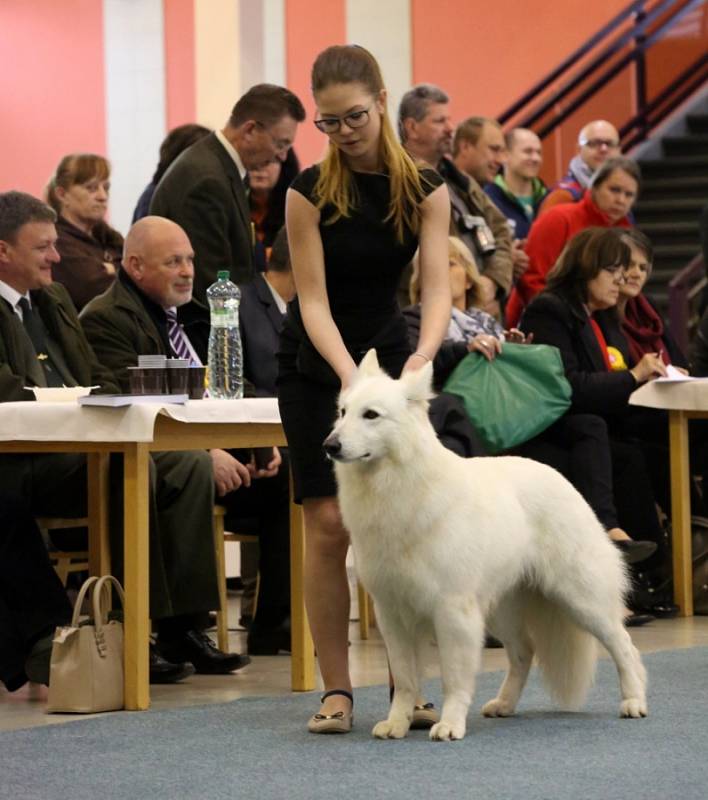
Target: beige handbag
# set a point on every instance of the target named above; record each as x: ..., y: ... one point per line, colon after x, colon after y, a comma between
x: 86, y: 668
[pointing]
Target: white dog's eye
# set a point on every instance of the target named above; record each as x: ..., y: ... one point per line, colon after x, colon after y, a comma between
x: 342, y: 412
x: 371, y: 414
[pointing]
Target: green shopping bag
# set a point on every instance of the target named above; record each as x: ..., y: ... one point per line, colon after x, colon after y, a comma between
x: 515, y: 397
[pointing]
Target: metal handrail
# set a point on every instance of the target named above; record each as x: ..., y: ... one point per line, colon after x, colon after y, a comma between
x: 667, y: 13
x: 571, y: 60
x: 683, y: 287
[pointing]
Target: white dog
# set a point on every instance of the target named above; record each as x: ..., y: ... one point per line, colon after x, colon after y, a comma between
x: 447, y: 546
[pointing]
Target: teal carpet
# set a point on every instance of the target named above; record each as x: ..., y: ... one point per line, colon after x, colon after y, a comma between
x: 258, y: 748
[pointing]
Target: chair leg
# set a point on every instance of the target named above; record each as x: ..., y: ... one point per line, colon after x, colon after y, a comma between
x: 222, y: 614
x: 364, y: 617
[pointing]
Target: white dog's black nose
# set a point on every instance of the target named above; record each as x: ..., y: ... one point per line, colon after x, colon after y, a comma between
x: 332, y: 446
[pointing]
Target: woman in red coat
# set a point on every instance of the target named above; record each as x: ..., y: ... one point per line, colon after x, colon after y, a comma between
x: 605, y: 205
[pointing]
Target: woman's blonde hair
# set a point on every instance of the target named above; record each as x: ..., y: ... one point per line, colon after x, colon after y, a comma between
x: 354, y: 64
x: 456, y: 249
x: 76, y: 168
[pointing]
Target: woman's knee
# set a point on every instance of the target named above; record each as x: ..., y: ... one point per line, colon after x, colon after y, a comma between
x: 323, y: 526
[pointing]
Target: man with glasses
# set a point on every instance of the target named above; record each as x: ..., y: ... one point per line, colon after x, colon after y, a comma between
x: 597, y: 141
x: 205, y: 192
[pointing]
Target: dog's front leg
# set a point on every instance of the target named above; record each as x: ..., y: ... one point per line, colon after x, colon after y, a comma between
x: 400, y: 645
x: 459, y: 630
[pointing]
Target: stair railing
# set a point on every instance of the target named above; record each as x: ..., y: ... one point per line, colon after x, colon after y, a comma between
x: 684, y: 289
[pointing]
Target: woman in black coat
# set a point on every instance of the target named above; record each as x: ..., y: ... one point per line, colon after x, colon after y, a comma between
x: 573, y: 314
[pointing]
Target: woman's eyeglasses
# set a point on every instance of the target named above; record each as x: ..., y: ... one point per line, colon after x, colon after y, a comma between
x: 357, y: 119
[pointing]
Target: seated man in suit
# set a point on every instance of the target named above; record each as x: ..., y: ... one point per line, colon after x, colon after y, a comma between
x: 138, y: 316
x: 261, y: 314
x: 42, y: 344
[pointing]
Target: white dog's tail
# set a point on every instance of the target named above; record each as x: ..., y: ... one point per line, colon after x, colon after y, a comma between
x: 566, y: 654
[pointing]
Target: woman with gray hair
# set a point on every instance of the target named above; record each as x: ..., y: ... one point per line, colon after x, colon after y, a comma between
x: 607, y: 204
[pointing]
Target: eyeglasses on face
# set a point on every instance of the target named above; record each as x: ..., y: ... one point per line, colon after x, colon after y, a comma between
x: 596, y: 144
x: 356, y: 119
x: 280, y: 145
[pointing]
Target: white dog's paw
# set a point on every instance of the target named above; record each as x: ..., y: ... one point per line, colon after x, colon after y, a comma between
x: 391, y: 729
x: 447, y: 731
x: 497, y: 708
x: 633, y: 708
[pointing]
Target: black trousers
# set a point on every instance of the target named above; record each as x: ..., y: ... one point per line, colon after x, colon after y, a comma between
x: 263, y: 509
x: 32, y: 600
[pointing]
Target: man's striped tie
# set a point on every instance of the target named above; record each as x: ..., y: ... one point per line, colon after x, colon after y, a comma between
x: 177, y: 338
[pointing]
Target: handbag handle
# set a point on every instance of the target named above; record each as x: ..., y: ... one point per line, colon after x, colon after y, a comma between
x: 87, y: 584
x: 101, y: 589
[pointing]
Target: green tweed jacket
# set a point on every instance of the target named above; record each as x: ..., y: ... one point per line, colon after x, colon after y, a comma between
x: 18, y: 363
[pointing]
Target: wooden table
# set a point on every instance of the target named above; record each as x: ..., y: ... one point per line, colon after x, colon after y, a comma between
x: 683, y: 400
x: 135, y: 432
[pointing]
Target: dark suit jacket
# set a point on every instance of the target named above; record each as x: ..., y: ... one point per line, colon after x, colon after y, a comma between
x: 18, y: 363
x: 554, y: 319
x: 203, y: 192
x: 261, y: 322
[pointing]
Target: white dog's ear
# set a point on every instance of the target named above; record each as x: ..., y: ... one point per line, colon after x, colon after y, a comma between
x: 418, y: 383
x: 369, y: 365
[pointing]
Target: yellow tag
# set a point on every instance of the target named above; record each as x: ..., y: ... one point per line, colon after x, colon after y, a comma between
x: 617, y: 362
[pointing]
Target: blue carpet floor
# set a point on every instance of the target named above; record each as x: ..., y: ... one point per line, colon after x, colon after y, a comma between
x: 258, y: 748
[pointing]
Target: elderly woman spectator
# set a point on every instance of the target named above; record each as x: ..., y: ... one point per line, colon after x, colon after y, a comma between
x: 177, y: 140
x: 90, y: 249
x: 471, y: 328
x: 608, y: 203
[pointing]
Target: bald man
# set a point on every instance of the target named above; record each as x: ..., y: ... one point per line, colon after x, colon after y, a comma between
x: 597, y: 141
x: 137, y: 316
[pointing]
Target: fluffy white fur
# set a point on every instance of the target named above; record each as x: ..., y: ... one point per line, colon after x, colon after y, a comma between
x: 447, y: 546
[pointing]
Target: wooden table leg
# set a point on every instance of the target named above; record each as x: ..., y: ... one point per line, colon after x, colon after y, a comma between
x: 303, y: 651
x: 681, y: 512
x: 137, y: 621
x: 98, y: 500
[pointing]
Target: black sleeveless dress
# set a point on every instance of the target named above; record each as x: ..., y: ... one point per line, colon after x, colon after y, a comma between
x: 363, y: 265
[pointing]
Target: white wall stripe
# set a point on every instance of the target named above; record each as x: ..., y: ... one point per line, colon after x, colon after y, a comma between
x: 275, y: 70
x: 218, y: 64
x: 384, y: 28
x: 135, y: 99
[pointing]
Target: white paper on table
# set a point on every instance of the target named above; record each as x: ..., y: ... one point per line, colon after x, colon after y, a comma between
x: 674, y: 375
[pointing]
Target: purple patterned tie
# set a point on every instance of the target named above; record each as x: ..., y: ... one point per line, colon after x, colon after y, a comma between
x: 177, y: 338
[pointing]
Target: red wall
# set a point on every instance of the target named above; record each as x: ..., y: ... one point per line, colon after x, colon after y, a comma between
x: 180, y: 65
x: 52, y: 60
x: 310, y: 27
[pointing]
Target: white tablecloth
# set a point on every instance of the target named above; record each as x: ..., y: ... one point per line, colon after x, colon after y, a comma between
x: 680, y: 396
x: 70, y: 422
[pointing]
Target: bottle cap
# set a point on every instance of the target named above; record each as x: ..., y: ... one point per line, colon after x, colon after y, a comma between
x: 223, y: 275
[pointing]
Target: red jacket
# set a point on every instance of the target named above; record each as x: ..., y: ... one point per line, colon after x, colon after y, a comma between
x: 548, y: 236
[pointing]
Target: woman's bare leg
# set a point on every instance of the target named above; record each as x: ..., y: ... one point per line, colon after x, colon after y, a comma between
x: 327, y: 596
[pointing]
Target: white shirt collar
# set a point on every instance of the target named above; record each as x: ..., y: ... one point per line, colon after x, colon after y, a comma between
x: 13, y: 297
x: 282, y: 305
x: 233, y: 152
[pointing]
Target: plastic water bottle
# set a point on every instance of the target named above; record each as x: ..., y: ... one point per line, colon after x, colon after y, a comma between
x: 225, y: 355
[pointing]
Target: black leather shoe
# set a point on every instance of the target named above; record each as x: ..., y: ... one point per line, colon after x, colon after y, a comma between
x: 269, y: 641
x: 197, y: 647
x: 635, y: 620
x: 163, y: 671
x: 634, y: 551
x: 37, y: 663
x: 663, y: 609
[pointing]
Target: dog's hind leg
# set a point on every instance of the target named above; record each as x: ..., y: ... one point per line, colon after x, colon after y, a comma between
x: 609, y: 629
x: 402, y: 655
x: 459, y: 630
x: 508, y: 626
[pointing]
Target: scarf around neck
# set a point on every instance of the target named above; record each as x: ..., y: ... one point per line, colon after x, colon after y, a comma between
x: 644, y: 329
x: 580, y: 171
